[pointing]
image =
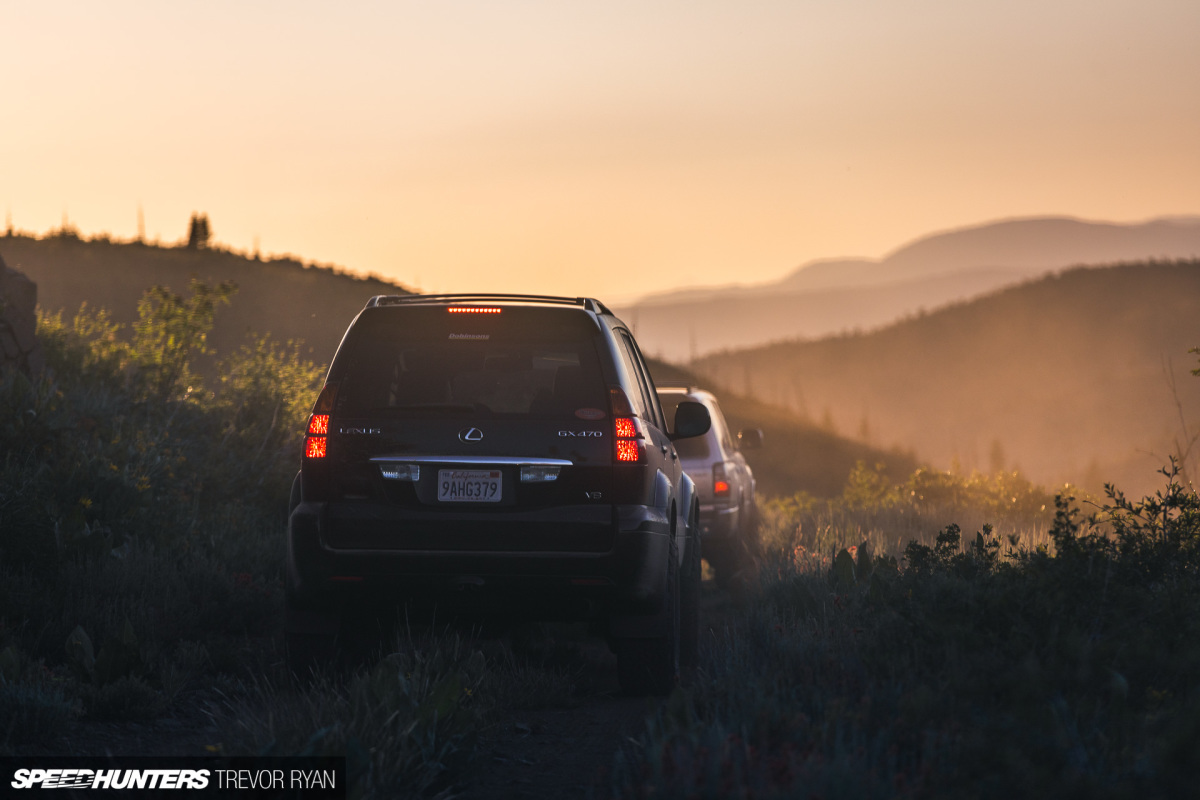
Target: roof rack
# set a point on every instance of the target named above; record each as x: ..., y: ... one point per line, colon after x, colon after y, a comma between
x: 589, y: 303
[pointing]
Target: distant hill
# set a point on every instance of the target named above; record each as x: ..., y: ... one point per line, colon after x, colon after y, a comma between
x: 1068, y: 377
x: 284, y: 297
x: 294, y: 301
x: 796, y: 454
x: 835, y: 296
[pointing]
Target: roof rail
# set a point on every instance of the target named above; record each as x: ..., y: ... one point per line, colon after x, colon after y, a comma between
x: 591, y: 304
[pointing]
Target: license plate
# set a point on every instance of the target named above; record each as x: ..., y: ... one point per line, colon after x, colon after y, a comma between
x: 469, y: 485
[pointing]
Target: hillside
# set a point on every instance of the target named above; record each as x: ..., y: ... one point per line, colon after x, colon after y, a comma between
x: 834, y: 296
x: 291, y: 301
x: 1065, y: 377
x: 283, y: 296
x: 796, y: 455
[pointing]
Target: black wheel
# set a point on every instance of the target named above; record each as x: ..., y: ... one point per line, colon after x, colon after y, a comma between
x: 651, y: 666
x: 296, y: 496
x: 689, y: 595
x: 310, y: 635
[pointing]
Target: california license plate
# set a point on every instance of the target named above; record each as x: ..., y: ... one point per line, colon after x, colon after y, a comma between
x: 469, y: 485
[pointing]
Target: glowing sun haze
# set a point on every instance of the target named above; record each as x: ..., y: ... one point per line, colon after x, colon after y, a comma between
x: 608, y: 149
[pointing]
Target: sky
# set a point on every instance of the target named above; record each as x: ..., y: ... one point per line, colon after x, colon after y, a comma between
x: 605, y: 149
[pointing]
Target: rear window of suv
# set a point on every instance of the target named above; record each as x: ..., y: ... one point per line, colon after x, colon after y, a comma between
x: 424, y: 361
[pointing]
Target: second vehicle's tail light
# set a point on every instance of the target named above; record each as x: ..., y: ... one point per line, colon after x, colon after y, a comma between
x: 720, y: 480
x: 316, y: 439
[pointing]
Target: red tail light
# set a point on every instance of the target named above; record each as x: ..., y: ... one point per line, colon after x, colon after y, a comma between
x: 318, y: 423
x: 628, y: 450
x: 314, y: 447
x: 626, y: 427
x: 473, y: 310
x: 720, y: 480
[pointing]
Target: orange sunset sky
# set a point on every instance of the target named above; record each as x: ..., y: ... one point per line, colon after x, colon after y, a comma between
x: 608, y: 149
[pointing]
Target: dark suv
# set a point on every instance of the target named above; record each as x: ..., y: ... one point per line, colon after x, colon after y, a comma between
x: 503, y: 452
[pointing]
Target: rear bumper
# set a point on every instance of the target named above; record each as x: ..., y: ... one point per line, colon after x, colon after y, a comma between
x: 718, y: 522
x: 336, y: 558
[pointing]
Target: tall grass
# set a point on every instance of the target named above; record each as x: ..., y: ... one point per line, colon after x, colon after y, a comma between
x: 887, y: 515
x: 952, y: 668
x: 141, y: 511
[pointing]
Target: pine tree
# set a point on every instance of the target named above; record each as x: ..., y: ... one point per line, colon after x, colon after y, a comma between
x: 199, y: 234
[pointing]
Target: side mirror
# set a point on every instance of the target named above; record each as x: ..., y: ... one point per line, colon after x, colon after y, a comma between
x: 691, y: 419
x: 750, y: 439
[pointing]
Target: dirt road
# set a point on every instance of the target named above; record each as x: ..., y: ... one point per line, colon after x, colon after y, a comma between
x: 560, y: 752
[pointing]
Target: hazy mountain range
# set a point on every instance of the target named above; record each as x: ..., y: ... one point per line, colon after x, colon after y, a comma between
x: 1080, y: 376
x: 834, y: 296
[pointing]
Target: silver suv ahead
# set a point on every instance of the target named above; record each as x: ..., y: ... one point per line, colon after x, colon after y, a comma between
x: 724, y: 483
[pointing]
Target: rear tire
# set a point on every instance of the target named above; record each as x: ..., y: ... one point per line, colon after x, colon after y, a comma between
x: 689, y: 595
x: 310, y: 635
x: 651, y: 666
x: 296, y: 496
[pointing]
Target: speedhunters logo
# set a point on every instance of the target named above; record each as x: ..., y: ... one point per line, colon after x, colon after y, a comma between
x: 258, y: 777
x: 110, y: 779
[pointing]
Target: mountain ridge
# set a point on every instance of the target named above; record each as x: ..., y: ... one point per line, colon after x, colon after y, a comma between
x: 998, y: 253
x: 1082, y: 375
x: 112, y: 275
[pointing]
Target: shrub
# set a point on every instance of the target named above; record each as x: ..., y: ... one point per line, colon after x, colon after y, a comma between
x: 138, y: 505
x: 1067, y: 668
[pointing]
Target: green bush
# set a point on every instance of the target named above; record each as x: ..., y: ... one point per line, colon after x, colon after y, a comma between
x: 886, y: 515
x: 138, y: 505
x: 983, y: 670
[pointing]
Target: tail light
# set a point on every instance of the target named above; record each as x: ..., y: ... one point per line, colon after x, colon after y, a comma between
x: 318, y: 423
x: 720, y: 480
x: 627, y: 431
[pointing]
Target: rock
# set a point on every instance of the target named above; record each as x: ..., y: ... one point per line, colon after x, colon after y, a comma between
x: 19, y: 347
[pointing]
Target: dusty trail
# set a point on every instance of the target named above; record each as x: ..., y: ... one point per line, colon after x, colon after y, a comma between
x: 560, y: 752
x: 566, y: 750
